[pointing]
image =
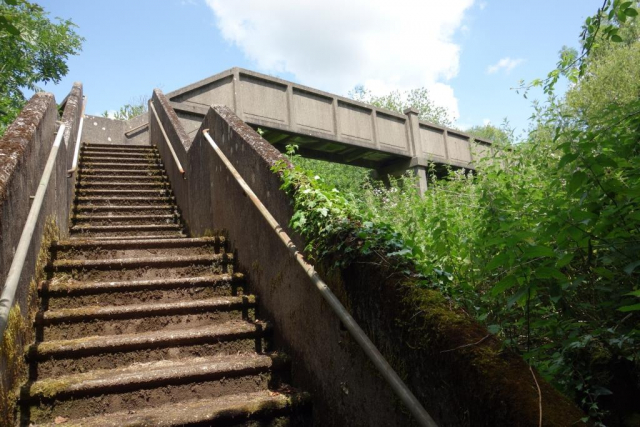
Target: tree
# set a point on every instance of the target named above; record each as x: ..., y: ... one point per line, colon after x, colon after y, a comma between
x: 33, y: 50
x: 503, y: 135
x: 418, y: 98
x: 135, y: 107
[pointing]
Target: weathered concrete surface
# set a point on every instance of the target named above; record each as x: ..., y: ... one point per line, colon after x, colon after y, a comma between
x: 71, y: 115
x: 24, y: 150
x: 327, y: 126
x: 180, y: 142
x: 345, y: 388
x: 102, y: 130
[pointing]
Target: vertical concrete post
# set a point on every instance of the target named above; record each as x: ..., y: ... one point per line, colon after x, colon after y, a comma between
x: 413, y: 131
x: 237, y: 94
x: 413, y: 124
x: 421, y: 172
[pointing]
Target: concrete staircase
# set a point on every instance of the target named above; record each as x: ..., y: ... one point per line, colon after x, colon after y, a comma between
x: 140, y: 325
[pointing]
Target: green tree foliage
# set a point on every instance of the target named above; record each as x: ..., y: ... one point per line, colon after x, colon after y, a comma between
x: 352, y: 179
x: 397, y: 101
x: 33, y: 50
x: 542, y: 243
x: 128, y: 111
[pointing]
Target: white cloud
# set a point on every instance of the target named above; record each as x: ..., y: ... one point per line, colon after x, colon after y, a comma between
x: 335, y: 45
x: 507, y: 64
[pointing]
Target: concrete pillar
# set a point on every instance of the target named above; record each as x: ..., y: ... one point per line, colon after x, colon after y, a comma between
x: 414, y: 131
x: 421, y: 173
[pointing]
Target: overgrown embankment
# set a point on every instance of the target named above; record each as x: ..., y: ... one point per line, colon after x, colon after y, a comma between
x: 541, y: 244
x: 449, y: 359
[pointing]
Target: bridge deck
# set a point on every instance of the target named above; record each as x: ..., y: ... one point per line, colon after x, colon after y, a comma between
x: 327, y: 126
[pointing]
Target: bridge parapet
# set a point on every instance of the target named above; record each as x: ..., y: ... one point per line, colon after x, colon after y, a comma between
x: 327, y: 126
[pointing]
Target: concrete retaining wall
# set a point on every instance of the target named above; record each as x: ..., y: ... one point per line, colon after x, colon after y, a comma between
x: 24, y: 150
x: 102, y: 130
x: 477, y: 385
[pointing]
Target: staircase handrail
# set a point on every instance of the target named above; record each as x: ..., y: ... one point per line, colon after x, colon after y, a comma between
x: 15, y: 271
x: 135, y: 129
x: 399, y: 387
x: 76, y: 150
x: 166, y: 138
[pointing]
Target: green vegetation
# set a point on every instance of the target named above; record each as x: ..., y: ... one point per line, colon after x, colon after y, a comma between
x: 33, y: 50
x: 129, y: 111
x: 542, y: 244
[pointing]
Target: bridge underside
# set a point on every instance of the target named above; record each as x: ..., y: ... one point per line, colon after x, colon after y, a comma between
x: 326, y: 126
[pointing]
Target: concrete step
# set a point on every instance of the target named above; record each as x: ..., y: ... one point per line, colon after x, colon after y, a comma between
x: 80, y: 322
x: 68, y: 292
x: 88, y: 228
x: 120, y: 192
x: 133, y: 252
x: 125, y: 219
x: 119, y: 147
x: 137, y: 262
x: 140, y: 178
x: 133, y: 209
x: 139, y: 244
x: 123, y: 200
x: 90, y: 152
x: 115, y: 160
x: 233, y: 409
x: 146, y: 272
x: 154, y: 374
x: 101, y: 172
x: 127, y: 236
x: 147, y: 340
x: 136, y: 311
x: 133, y: 184
x: 71, y: 288
x: 120, y: 164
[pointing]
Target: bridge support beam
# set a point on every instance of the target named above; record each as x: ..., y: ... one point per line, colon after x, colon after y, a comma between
x: 421, y: 173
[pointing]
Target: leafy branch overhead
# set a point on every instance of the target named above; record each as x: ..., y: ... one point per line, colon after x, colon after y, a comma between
x: 33, y: 50
x: 600, y: 29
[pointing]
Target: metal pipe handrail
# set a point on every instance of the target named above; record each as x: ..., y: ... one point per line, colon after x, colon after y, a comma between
x: 137, y: 128
x: 76, y: 150
x: 13, y: 278
x: 399, y: 387
x: 166, y: 138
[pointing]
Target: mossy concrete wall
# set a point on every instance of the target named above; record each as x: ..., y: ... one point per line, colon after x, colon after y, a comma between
x: 24, y: 150
x: 417, y: 330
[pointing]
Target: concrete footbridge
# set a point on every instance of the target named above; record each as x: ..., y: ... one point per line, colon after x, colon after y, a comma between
x: 150, y: 277
x: 327, y: 126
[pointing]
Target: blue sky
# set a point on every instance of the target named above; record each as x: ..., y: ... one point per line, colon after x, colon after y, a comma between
x: 468, y: 53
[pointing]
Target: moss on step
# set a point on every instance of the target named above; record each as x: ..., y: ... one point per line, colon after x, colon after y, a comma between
x: 20, y: 331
